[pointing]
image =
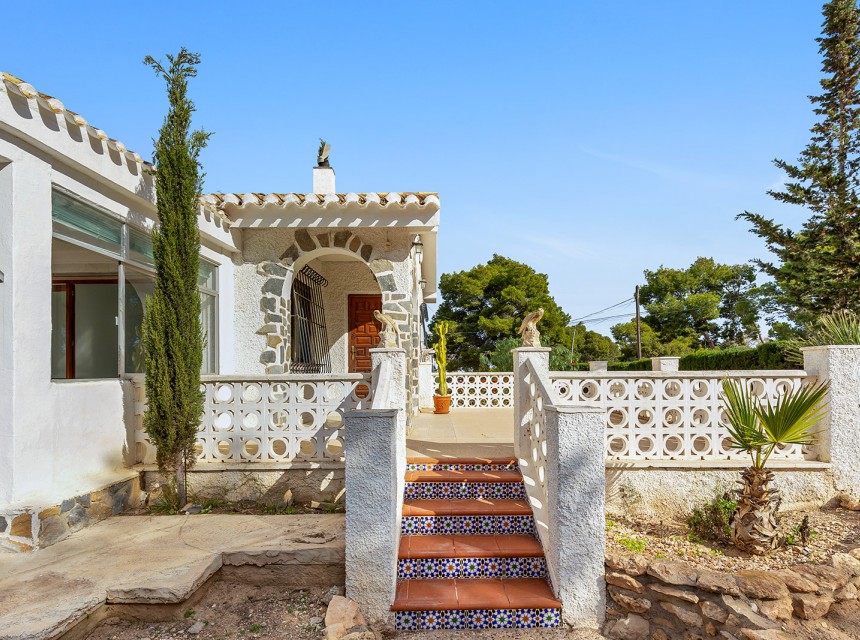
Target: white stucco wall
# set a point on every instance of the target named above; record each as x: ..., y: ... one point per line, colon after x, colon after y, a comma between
x: 58, y: 439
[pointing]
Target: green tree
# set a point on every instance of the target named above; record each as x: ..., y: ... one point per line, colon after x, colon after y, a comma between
x: 817, y: 268
x: 590, y: 345
x: 711, y: 303
x: 488, y: 303
x: 625, y: 337
x: 172, y: 331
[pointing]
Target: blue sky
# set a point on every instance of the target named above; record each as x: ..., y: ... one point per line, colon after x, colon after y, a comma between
x: 590, y: 139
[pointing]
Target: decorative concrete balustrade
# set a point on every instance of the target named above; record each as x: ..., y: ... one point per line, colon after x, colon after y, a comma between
x: 479, y: 390
x: 559, y: 448
x: 291, y: 420
x: 672, y: 416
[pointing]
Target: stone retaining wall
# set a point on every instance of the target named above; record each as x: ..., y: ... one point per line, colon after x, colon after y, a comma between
x: 669, y: 600
x: 34, y: 527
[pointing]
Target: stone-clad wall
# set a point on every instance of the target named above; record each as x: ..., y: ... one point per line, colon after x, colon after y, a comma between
x: 669, y: 600
x: 34, y: 528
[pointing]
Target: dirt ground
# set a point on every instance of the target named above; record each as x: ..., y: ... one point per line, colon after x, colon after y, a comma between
x: 238, y: 611
x: 832, y: 531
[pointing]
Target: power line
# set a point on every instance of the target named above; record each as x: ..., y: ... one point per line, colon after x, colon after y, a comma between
x: 627, y: 301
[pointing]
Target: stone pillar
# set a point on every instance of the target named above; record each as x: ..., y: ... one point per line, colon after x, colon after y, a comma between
x: 388, y: 368
x: 426, y: 382
x: 375, y: 453
x: 666, y: 363
x: 539, y: 357
x: 576, y: 495
x: 598, y: 365
x: 839, y: 440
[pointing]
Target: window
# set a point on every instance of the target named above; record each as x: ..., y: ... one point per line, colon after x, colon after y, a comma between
x: 103, y: 273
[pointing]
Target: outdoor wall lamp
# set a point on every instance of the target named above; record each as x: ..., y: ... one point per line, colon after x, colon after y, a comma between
x: 418, y: 245
x: 422, y: 284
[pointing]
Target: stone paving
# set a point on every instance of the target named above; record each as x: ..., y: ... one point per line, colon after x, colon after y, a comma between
x: 470, y: 433
x: 152, y: 560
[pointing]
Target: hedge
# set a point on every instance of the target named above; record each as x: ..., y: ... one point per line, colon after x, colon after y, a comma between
x: 770, y: 355
x: 636, y: 365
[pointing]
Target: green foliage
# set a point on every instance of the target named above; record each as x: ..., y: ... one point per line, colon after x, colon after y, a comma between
x: 590, y: 345
x: 501, y: 358
x: 817, y: 269
x: 172, y: 331
x: 488, y: 302
x: 625, y: 336
x: 770, y: 355
x: 758, y: 428
x: 634, y: 545
x: 712, y: 520
x: 441, y: 348
x: 634, y: 365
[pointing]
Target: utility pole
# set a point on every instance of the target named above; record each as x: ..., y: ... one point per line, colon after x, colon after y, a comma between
x: 638, y: 327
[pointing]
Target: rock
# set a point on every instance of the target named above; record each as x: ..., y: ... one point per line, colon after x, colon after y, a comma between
x: 761, y: 585
x: 315, y: 621
x: 766, y: 634
x: 359, y: 635
x: 343, y: 611
x: 855, y: 553
x: 744, y: 615
x: 632, y: 565
x: 848, y: 592
x: 673, y: 572
x: 717, y: 582
x: 196, y: 628
x: 632, y: 627
x: 776, y: 609
x: 288, y: 497
x: 673, y: 592
x: 849, y: 502
x: 810, y: 606
x: 331, y: 593
x: 827, y: 578
x: 659, y: 634
x: 713, y: 611
x: 847, y: 563
x: 627, y: 602
x: 624, y: 581
x: 334, y: 632
x: 21, y: 526
x: 795, y: 581
x: 689, y: 618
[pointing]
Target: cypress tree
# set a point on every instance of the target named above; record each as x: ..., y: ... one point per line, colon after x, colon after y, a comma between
x: 818, y: 268
x: 172, y: 331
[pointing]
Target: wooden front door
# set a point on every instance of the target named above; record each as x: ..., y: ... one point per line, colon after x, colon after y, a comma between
x: 363, y: 331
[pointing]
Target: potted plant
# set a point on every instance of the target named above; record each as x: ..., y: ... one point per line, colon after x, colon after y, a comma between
x: 442, y: 401
x: 758, y: 429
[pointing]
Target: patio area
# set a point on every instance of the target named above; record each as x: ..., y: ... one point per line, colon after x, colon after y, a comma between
x: 463, y: 433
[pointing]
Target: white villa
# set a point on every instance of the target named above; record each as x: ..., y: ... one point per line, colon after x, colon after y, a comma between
x: 288, y: 281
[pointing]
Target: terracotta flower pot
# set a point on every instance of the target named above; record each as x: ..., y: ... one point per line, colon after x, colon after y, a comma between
x: 441, y: 404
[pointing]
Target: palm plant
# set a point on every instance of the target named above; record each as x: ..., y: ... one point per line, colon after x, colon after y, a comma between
x: 840, y: 327
x: 759, y: 428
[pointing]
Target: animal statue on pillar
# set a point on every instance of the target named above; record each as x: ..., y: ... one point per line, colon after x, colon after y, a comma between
x: 529, y: 331
x: 388, y: 335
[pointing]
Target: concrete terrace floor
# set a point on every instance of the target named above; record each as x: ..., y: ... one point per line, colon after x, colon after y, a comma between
x: 482, y: 433
x: 156, y: 560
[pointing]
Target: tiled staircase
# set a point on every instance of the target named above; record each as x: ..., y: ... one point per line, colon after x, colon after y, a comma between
x: 469, y: 557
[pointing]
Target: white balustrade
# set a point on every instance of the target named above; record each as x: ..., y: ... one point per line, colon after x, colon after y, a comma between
x: 670, y: 415
x: 295, y: 419
x: 479, y: 389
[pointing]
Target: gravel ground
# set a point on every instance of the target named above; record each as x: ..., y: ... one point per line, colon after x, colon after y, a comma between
x: 834, y: 530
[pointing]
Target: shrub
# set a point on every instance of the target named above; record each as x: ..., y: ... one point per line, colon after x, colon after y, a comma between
x: 770, y: 355
x: 712, y: 520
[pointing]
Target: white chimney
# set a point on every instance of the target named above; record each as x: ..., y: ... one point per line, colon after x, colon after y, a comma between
x: 324, y: 180
x: 323, y: 173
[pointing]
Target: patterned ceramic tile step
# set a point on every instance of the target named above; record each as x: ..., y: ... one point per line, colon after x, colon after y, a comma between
x: 450, y: 568
x: 510, y: 475
x: 470, y: 546
x: 476, y: 603
x: 460, y: 464
x: 467, y: 525
x: 478, y: 619
x: 467, y: 507
x: 464, y: 490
